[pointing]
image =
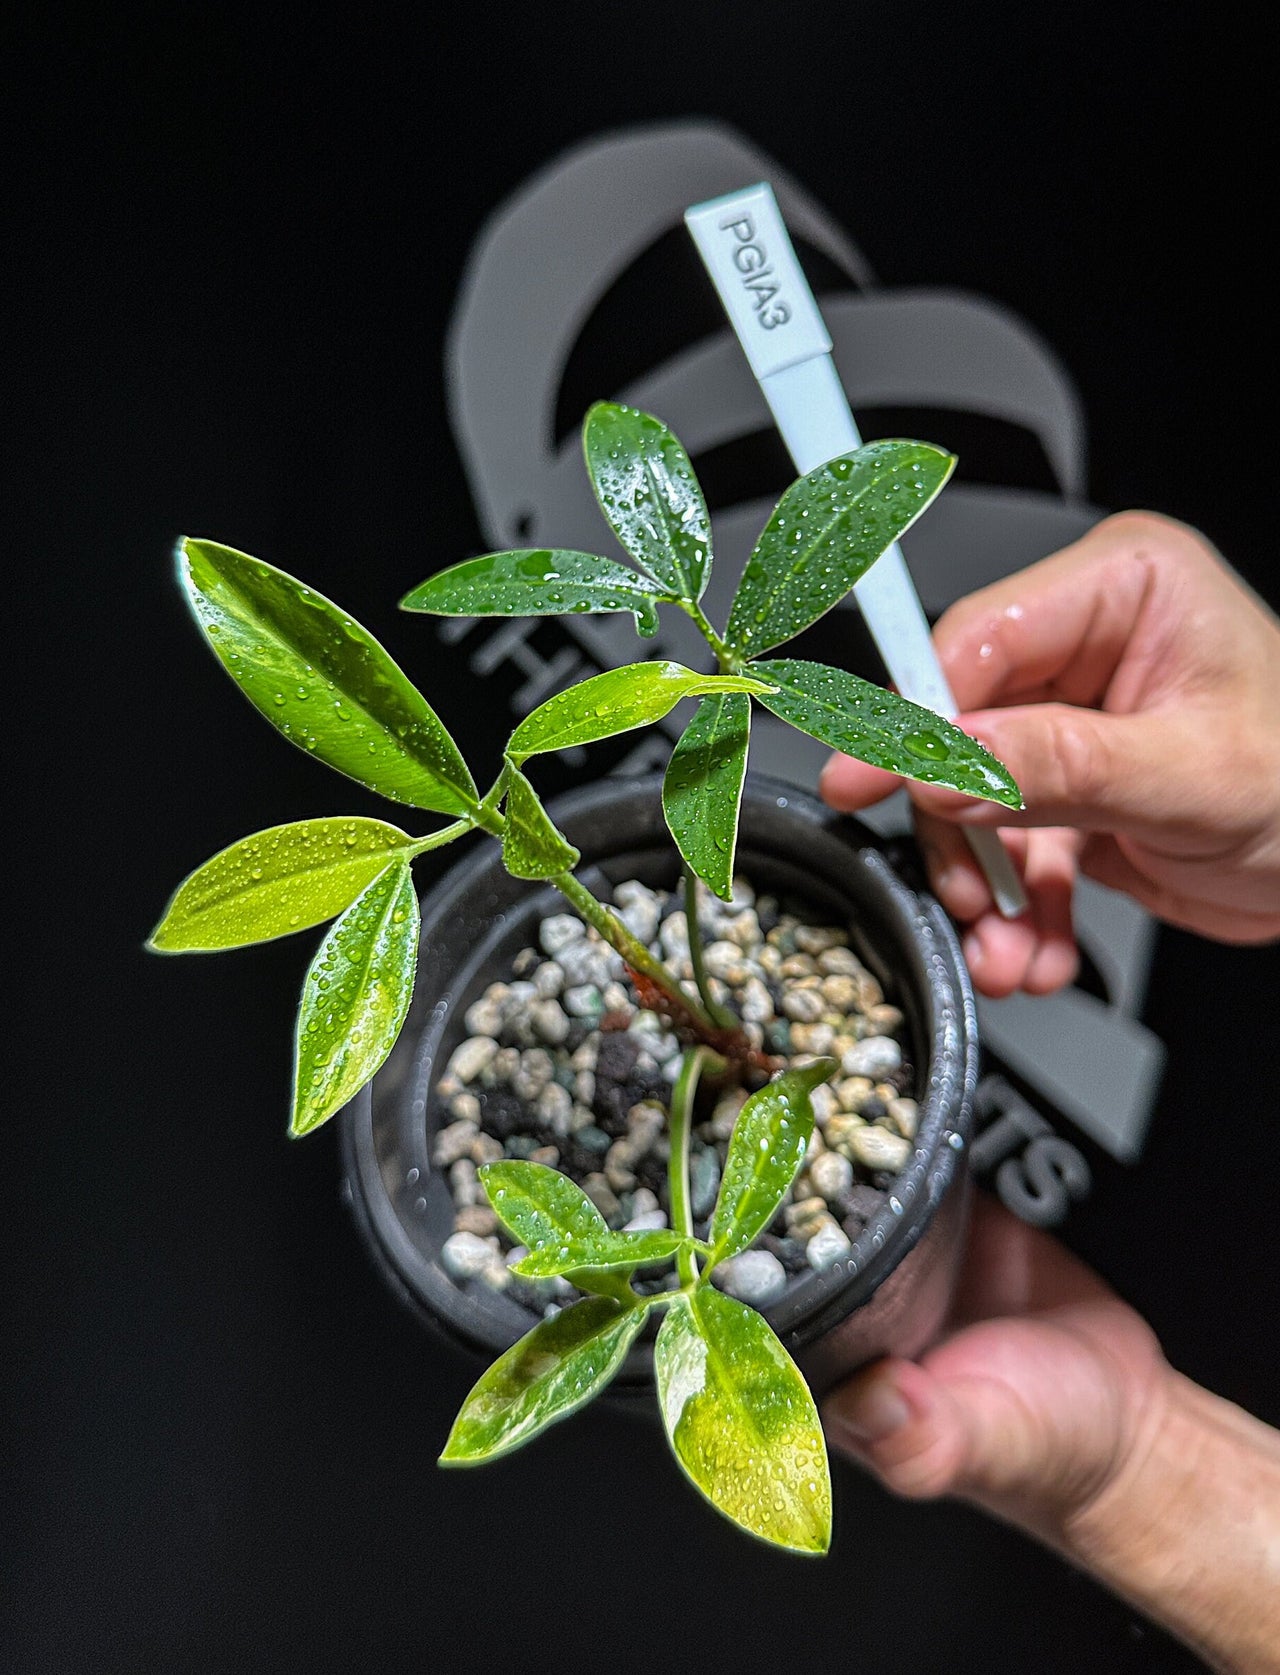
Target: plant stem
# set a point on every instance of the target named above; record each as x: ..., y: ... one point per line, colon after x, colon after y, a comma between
x: 722, y: 1016
x: 729, y: 662
x: 616, y: 934
x: 446, y: 834
x: 632, y: 950
x: 682, y: 1096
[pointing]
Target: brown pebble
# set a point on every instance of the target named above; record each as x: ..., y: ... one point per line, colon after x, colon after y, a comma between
x: 475, y: 1218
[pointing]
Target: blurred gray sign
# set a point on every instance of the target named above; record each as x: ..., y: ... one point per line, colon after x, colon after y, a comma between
x: 537, y: 273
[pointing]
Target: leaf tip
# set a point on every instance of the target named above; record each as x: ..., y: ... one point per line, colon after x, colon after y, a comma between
x: 302, y: 1123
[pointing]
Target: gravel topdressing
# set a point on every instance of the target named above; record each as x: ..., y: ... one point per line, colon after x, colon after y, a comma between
x: 562, y: 1066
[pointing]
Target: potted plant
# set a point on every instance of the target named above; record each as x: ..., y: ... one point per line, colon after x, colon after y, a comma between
x: 745, y: 1058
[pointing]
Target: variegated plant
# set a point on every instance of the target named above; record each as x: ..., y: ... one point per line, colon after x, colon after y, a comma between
x: 737, y: 1412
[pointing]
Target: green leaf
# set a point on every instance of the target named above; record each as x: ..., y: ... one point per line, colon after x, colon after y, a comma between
x: 545, y: 582
x: 548, y: 1375
x: 531, y: 845
x: 765, y: 1150
x: 648, y: 492
x: 355, y: 997
x: 611, y: 1250
x: 615, y: 702
x: 562, y: 1227
x: 285, y: 879
x: 702, y: 788
x: 876, y: 726
x: 322, y: 680
x: 828, y: 529
x: 741, y: 1421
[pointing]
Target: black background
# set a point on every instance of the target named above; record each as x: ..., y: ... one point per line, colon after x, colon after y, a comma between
x: 236, y: 243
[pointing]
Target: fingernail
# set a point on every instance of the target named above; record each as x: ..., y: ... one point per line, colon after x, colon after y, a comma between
x: 972, y: 949
x: 872, y: 1415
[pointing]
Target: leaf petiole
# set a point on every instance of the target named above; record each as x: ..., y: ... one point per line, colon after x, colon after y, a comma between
x: 727, y: 660
x: 682, y: 1096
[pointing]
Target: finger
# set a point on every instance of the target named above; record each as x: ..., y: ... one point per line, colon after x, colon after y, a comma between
x: 1086, y: 769
x: 955, y: 876
x: 1052, y: 868
x: 1059, y: 629
x: 848, y: 785
x: 926, y: 1436
x: 1036, y: 951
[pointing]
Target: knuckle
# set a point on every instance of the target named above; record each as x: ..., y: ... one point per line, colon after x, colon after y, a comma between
x: 1079, y: 762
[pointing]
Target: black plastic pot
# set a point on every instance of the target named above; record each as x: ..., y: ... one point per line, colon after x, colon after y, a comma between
x: 891, y: 1292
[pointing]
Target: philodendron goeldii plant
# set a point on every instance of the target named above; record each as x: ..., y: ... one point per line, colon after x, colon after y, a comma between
x: 739, y: 1417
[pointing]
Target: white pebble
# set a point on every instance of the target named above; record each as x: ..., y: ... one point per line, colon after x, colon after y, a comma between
x: 484, y: 1017
x: 831, y: 1175
x: 876, y: 1148
x: 648, y: 1221
x: 906, y: 1117
x: 877, y: 1056
x: 805, y: 1006
x: 755, y: 1277
x: 471, y: 1056
x: 743, y: 929
x: 639, y: 909
x: 558, y: 930
x: 817, y: 939
x: 555, y: 1107
x: 549, y: 1021
x: 674, y: 936
x: 827, y: 1246
x: 757, y: 1002
x: 823, y: 1100
x: 466, y: 1256
x: 724, y: 959
x: 453, y: 1143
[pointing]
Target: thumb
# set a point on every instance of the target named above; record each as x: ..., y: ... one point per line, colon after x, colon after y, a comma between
x: 925, y: 1437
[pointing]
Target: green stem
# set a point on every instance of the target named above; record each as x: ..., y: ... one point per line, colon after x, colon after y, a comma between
x: 722, y: 1016
x: 446, y: 834
x: 632, y: 950
x: 695, y: 1060
x: 730, y: 663
x: 611, y: 928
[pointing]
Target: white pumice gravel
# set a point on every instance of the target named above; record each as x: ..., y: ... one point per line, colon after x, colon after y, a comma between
x: 537, y: 1078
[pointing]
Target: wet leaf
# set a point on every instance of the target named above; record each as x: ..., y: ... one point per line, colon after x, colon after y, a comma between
x: 825, y: 532
x: 285, y: 879
x: 541, y: 582
x: 322, y: 680
x: 648, y: 492
x: 548, y: 1375
x: 702, y: 788
x: 615, y: 702
x: 355, y: 997
x: 765, y: 1151
x: 876, y: 726
x: 531, y: 845
x: 563, y: 1229
x: 741, y: 1421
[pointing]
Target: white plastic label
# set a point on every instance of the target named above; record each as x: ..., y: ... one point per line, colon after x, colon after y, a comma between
x: 744, y: 242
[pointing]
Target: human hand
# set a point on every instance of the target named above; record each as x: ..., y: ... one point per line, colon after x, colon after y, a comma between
x: 1132, y: 685
x: 1051, y: 1406
x: 1033, y: 1403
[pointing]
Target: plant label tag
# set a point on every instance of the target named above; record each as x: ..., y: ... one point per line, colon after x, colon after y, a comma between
x: 744, y: 243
